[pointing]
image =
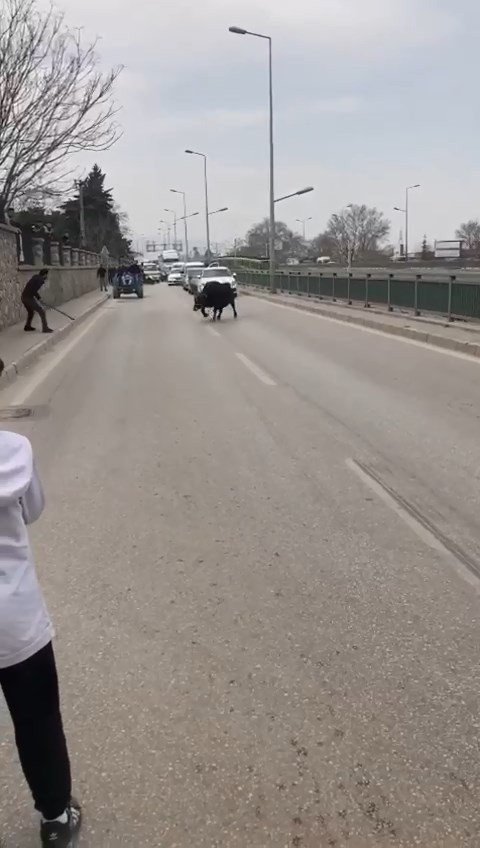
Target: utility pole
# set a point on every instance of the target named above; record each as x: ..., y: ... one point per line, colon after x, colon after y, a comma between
x: 82, y: 214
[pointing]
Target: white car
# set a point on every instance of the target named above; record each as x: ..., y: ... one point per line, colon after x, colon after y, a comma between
x: 217, y: 275
x: 176, y: 275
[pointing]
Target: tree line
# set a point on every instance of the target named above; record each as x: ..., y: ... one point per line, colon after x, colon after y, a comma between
x: 354, y: 234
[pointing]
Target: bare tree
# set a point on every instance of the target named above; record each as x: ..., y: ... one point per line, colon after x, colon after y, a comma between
x: 356, y: 231
x: 288, y: 242
x: 469, y: 232
x: 53, y: 100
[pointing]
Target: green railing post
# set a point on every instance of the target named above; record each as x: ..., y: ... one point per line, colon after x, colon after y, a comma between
x: 389, y: 292
x: 320, y: 278
x: 450, y: 296
x: 418, y: 279
x: 334, y: 277
x: 367, y: 304
x: 308, y: 283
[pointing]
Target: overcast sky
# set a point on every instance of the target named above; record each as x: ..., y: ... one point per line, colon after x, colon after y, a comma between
x: 370, y: 95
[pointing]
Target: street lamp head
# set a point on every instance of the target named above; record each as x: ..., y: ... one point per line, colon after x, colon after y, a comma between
x: 176, y: 191
x: 237, y: 30
x: 305, y: 190
x: 189, y: 151
x: 223, y: 209
x: 397, y: 209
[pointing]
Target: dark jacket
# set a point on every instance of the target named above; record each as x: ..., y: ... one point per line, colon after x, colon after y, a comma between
x: 33, y: 286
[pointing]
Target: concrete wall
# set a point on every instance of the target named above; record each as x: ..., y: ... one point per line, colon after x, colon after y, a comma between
x: 64, y: 281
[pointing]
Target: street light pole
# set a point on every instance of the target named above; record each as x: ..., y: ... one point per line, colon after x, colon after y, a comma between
x: 303, y: 222
x: 216, y: 211
x: 271, y: 234
x: 207, y: 223
x: 172, y: 212
x: 407, y: 190
x: 185, y: 230
x: 405, y: 212
x: 294, y: 194
x: 271, y: 256
x: 81, y: 208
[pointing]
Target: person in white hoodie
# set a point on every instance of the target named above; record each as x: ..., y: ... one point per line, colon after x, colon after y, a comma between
x: 28, y: 675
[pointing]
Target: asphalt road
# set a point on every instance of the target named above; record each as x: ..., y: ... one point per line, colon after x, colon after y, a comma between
x: 260, y: 553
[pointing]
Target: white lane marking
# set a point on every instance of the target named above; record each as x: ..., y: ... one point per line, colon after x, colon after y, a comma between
x: 45, y: 367
x: 469, y: 357
x: 259, y: 373
x: 212, y: 331
x: 424, y: 534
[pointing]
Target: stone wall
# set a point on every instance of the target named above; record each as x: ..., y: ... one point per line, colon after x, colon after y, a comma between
x: 10, y: 285
x: 63, y: 283
x: 75, y: 277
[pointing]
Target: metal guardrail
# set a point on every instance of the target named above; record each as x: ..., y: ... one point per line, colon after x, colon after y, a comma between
x: 448, y: 296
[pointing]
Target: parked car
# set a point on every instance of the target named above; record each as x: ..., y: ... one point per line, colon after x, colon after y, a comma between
x: 176, y: 274
x: 218, y: 274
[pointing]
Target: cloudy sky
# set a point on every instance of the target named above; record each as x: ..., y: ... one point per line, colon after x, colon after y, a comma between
x: 370, y: 96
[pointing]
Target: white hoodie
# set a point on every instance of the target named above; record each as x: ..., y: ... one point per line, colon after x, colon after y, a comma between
x: 25, y: 627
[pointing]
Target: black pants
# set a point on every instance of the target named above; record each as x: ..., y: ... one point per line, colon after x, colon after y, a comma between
x: 32, y: 306
x: 31, y: 693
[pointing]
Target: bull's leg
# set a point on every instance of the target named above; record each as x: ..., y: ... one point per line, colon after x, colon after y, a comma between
x: 214, y: 314
x: 204, y: 312
x: 219, y: 314
x: 234, y: 309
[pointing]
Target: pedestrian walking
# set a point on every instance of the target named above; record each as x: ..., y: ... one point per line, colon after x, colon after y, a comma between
x: 28, y: 675
x: 102, y: 276
x: 31, y: 301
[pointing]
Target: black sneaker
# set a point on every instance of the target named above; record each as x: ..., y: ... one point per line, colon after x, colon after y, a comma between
x: 29, y: 329
x: 47, y: 330
x: 61, y: 835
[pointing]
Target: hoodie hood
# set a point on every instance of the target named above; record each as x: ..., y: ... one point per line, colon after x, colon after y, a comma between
x: 16, y: 466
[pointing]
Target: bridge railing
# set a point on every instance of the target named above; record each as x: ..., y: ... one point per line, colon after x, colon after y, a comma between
x: 445, y: 295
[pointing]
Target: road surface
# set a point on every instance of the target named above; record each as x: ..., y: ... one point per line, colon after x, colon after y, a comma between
x: 261, y: 552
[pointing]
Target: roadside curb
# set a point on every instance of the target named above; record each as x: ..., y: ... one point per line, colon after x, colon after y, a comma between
x: 14, y: 369
x: 425, y: 336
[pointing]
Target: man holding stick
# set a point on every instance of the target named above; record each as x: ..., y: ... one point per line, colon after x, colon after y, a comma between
x: 31, y: 301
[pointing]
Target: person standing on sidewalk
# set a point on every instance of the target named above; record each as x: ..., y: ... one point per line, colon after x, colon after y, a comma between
x: 28, y: 675
x: 103, y: 277
x: 30, y: 299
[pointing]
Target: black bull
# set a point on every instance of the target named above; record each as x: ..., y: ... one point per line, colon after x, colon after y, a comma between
x: 215, y: 296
